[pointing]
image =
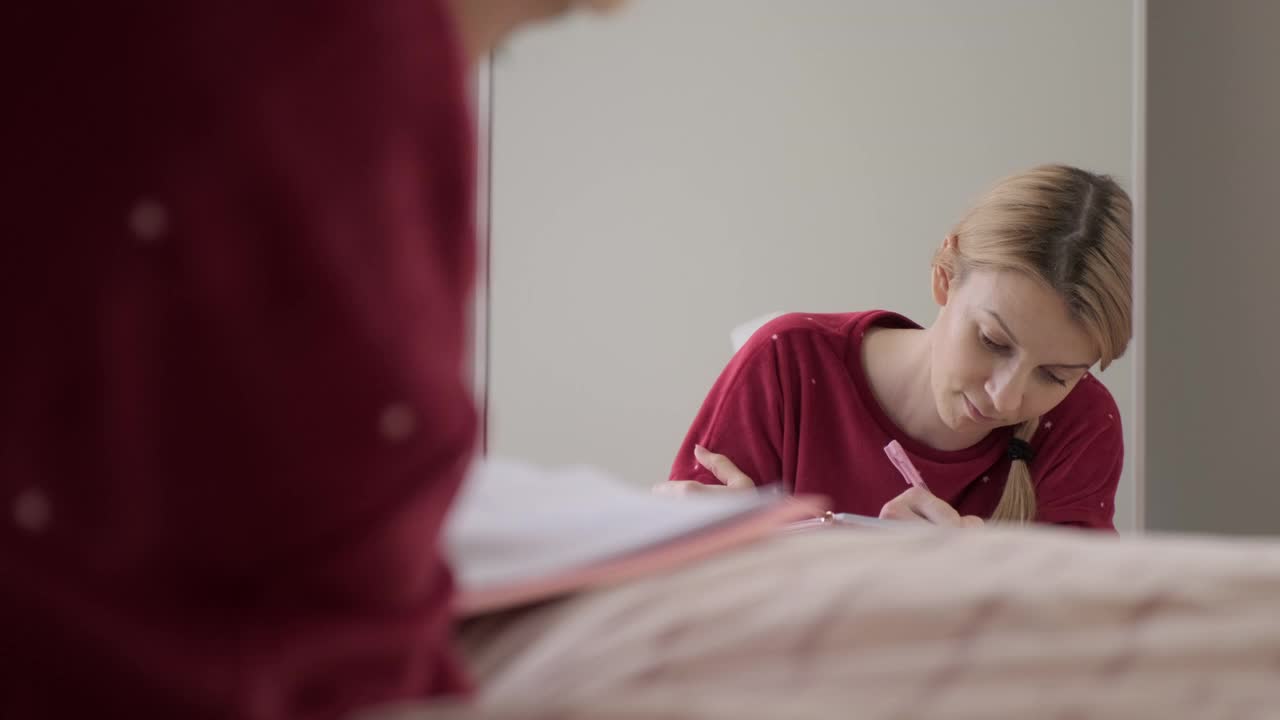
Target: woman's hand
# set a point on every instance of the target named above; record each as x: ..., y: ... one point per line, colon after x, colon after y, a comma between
x: 920, y: 504
x: 733, y: 479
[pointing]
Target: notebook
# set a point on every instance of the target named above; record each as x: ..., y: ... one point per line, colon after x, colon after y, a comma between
x: 830, y: 519
x: 519, y: 534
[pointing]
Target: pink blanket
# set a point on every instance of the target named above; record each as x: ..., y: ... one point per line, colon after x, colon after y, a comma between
x: 1030, y: 623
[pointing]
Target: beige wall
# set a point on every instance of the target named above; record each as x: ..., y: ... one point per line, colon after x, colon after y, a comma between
x: 1213, y: 153
x: 660, y: 177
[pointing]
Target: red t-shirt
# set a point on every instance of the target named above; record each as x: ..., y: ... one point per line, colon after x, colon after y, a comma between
x: 794, y: 407
x: 233, y: 291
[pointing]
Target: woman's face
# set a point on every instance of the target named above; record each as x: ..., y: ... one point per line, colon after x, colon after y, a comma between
x: 1005, y: 350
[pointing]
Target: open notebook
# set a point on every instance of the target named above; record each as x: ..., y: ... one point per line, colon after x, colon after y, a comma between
x: 519, y: 534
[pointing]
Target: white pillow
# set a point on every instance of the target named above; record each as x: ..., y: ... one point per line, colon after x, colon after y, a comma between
x: 741, y: 334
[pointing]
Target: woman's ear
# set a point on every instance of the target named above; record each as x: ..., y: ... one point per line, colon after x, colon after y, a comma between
x: 943, y: 279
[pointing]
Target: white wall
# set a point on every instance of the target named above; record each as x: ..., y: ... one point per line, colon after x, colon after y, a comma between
x: 1213, y: 108
x: 661, y: 176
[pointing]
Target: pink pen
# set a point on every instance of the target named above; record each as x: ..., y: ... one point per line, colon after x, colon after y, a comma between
x: 899, y: 458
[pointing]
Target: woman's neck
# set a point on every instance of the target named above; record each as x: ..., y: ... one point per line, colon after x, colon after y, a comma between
x: 898, y: 365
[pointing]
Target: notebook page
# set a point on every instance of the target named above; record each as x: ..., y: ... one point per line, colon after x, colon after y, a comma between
x: 514, y: 523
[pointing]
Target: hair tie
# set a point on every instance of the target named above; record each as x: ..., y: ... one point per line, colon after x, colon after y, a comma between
x: 1020, y: 449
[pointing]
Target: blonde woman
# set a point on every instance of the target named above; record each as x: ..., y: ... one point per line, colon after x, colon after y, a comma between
x: 994, y: 403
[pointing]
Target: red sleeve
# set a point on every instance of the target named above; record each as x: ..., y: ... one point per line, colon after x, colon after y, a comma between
x: 234, y: 412
x: 1079, y: 485
x: 742, y: 417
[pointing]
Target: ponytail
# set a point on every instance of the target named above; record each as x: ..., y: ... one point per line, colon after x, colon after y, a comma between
x: 1018, y: 503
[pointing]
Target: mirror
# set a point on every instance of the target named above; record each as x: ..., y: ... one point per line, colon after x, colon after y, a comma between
x: 659, y: 178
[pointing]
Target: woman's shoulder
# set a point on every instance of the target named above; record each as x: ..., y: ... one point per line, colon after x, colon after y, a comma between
x: 1090, y: 397
x: 1088, y: 414
x: 835, y: 325
x: 1080, y: 457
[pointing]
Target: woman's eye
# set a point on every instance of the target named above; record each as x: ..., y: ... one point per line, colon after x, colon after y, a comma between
x: 1054, y: 378
x: 992, y: 344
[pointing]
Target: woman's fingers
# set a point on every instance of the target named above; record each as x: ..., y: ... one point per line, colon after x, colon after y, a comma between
x: 920, y: 504
x: 719, y: 466
x: 724, y: 469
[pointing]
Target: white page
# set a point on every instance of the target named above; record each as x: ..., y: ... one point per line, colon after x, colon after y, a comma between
x: 514, y: 522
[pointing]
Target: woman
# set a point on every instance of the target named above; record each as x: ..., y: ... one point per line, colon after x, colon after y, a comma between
x: 994, y: 404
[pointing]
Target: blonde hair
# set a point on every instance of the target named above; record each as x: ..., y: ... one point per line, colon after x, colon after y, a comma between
x: 1071, y: 229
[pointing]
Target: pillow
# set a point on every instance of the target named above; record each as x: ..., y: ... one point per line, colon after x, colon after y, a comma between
x: 741, y: 334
